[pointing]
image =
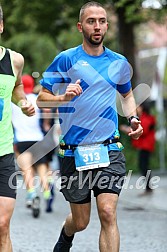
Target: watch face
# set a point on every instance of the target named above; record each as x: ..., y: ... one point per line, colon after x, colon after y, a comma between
x: 130, y: 119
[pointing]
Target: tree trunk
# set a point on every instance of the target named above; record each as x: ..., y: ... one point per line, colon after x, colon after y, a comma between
x: 127, y: 41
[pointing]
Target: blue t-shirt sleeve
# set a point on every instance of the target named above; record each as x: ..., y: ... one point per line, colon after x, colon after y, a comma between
x: 125, y: 88
x: 119, y: 71
x: 55, y: 78
x: 126, y: 72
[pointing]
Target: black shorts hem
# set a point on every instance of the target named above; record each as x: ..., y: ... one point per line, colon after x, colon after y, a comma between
x: 84, y: 201
x: 98, y: 192
x: 7, y: 195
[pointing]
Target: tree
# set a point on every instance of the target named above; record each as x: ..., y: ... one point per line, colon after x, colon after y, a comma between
x: 38, y: 50
x: 56, y: 19
x: 130, y: 13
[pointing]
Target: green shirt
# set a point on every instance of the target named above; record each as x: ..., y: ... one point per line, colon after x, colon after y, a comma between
x: 7, y: 83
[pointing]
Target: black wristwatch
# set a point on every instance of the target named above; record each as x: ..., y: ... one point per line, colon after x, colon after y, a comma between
x: 130, y: 119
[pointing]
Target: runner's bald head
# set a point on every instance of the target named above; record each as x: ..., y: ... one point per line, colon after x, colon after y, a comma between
x: 87, y: 5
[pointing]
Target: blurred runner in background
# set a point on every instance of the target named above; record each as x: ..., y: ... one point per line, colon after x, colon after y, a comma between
x: 26, y: 136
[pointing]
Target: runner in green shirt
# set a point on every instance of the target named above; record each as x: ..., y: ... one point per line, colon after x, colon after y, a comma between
x: 11, y: 89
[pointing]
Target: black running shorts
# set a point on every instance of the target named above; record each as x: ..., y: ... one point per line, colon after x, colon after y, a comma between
x: 7, y: 176
x: 23, y: 146
x: 77, y: 186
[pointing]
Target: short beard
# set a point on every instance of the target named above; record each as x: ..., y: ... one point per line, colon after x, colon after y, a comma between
x: 91, y: 41
x: 94, y: 42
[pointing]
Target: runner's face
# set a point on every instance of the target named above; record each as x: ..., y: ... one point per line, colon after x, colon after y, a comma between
x: 94, y: 25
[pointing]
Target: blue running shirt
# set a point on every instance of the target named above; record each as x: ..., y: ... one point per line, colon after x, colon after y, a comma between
x: 91, y: 117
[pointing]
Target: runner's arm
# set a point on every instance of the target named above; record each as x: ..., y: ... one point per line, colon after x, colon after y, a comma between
x: 129, y: 109
x: 47, y: 99
x: 18, y: 95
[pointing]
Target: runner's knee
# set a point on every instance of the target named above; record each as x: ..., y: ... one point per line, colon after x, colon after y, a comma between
x: 107, y: 215
x: 4, y: 225
x: 81, y: 225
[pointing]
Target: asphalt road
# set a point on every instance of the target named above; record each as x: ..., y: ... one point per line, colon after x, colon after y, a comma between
x: 142, y: 223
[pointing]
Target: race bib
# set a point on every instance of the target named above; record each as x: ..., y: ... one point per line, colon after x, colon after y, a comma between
x: 91, y: 157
